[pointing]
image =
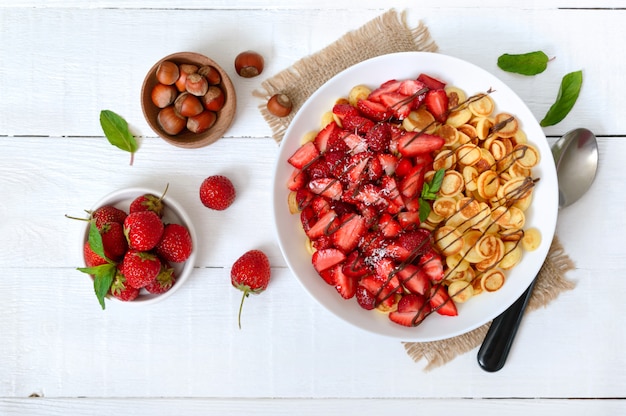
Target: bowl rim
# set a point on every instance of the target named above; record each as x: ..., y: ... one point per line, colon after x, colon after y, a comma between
x: 121, y: 198
x: 189, y: 140
x: 548, y: 186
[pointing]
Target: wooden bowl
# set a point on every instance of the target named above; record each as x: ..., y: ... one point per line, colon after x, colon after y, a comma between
x: 186, y: 138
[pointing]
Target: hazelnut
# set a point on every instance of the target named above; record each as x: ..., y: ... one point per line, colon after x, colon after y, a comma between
x: 196, y: 84
x: 249, y: 64
x: 214, y: 98
x: 185, y: 70
x: 163, y: 95
x: 211, y: 74
x: 188, y: 105
x: 167, y: 73
x: 170, y: 121
x: 201, y: 122
x: 279, y: 105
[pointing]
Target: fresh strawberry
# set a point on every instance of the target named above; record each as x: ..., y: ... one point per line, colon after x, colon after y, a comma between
x: 345, y: 284
x: 140, y: 268
x: 355, y: 143
x: 175, y: 245
x: 378, y: 137
x: 217, y: 192
x: 318, y: 169
x: 327, y: 258
x: 143, y: 230
x: 414, y: 279
x: 383, y: 293
x: 391, y: 86
x: 401, y: 105
x: 357, y: 123
x: 408, y: 219
x: 329, y: 276
x: 108, y: 213
x: 343, y: 110
x: 328, y: 187
x: 113, y: 240
x: 436, y: 102
x: 388, y: 161
x: 374, y: 110
x: 121, y: 289
x: 251, y: 274
x: 417, y: 242
x: 413, y: 182
x: 304, y: 155
x: 149, y: 202
x: 415, y: 143
x: 91, y: 258
x: 365, y: 298
x: 415, y: 89
x: 323, y: 226
x: 430, y: 82
x: 404, y: 167
x: 355, y: 265
x: 432, y: 265
x: 391, y: 191
x: 327, y: 136
x: 349, y: 231
x: 441, y: 302
x: 411, y: 310
x: 164, y: 280
x: 388, y: 225
x: 297, y: 180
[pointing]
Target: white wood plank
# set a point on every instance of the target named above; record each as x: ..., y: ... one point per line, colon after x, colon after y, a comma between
x: 63, y: 92
x: 330, y: 407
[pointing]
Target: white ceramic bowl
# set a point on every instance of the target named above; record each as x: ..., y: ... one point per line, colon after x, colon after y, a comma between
x: 173, y: 213
x: 542, y: 214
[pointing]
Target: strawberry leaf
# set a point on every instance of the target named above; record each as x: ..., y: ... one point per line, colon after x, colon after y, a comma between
x: 102, y: 279
x: 531, y: 63
x: 95, y: 240
x: 116, y: 130
x: 565, y: 100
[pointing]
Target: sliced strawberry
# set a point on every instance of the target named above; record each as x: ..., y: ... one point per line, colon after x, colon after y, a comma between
x: 326, y: 135
x: 355, y: 170
x: 322, y: 242
x: 323, y: 226
x: 329, y: 276
x: 365, y: 298
x: 370, y: 194
x: 412, y: 88
x: 411, y: 310
x: 383, y: 294
x: 378, y: 137
x: 417, y: 242
x: 342, y: 208
x: 414, y: 279
x: 355, y: 143
x: 372, y: 245
x: 398, y: 103
x: 425, y: 159
x: 412, y: 204
x: 305, y: 154
x: 404, y: 167
x: 413, y: 182
x: 327, y: 258
x: 304, y: 198
x: 346, y: 285
x: 318, y: 169
x: 336, y: 142
x: 388, y: 225
x: 409, y: 219
x: 297, y: 180
x: 388, y: 162
x: 355, y: 265
x: 368, y: 212
x: 374, y: 169
x: 416, y: 143
x: 343, y: 110
x: 374, y: 110
x: 432, y: 265
x: 430, y: 82
x: 436, y: 102
x: 357, y: 123
x: 441, y: 302
x: 387, y: 87
x: 328, y: 187
x: 320, y: 205
x: 348, y: 232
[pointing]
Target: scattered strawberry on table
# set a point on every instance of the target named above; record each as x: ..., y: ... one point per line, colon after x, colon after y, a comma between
x: 250, y: 274
x: 217, y: 192
x: 358, y: 188
x: 130, y: 252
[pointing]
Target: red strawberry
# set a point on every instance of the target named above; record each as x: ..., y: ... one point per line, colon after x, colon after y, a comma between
x: 91, y: 258
x: 374, y: 110
x: 432, y: 266
x: 387, y: 87
x: 327, y: 136
x: 328, y: 187
x: 108, y: 213
x: 164, y: 280
x: 175, y: 244
x: 436, y: 102
x: 416, y: 242
x: 411, y: 185
x: 441, y: 302
x: 349, y: 231
x: 355, y: 143
x: 409, y: 219
x: 304, y: 155
x: 414, y: 279
x: 327, y: 258
x: 357, y: 124
x: 400, y: 104
x: 343, y: 110
x: 149, y: 202
x: 140, y: 268
x: 344, y: 284
x: 411, y: 310
x: 143, y: 230
x: 365, y: 298
x: 388, y: 225
x: 113, y: 240
x: 250, y: 274
x: 297, y: 180
x: 121, y: 289
x: 415, y: 143
x: 430, y: 82
x: 378, y: 137
x: 217, y: 192
x: 354, y: 265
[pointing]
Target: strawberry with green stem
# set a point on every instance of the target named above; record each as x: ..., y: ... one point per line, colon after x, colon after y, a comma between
x: 250, y: 274
x: 149, y: 202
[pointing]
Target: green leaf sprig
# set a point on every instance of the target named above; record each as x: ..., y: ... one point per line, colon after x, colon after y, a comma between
x: 565, y: 99
x: 103, y: 274
x: 531, y: 63
x: 429, y: 193
x: 116, y: 130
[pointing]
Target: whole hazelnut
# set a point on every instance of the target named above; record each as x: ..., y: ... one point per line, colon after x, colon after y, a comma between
x: 279, y: 105
x: 249, y: 64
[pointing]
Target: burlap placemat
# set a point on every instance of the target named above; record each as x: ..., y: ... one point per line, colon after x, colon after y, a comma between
x: 389, y: 33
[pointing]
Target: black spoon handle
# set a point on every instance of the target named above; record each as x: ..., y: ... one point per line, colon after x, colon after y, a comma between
x: 497, y: 343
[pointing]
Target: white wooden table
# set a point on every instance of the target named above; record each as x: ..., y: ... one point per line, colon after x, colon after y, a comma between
x: 61, y: 62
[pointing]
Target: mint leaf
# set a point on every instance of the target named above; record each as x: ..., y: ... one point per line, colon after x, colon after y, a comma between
x: 424, y: 209
x: 116, y: 130
x: 531, y: 63
x: 429, y: 193
x: 102, y: 279
x: 435, y: 184
x: 565, y: 100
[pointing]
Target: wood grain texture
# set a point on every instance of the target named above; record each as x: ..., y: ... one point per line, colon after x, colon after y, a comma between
x: 61, y: 62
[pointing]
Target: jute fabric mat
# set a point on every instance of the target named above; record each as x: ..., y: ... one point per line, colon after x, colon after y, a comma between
x: 389, y: 33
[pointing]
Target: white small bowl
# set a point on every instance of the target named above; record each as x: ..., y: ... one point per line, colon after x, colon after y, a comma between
x: 541, y: 215
x: 173, y: 213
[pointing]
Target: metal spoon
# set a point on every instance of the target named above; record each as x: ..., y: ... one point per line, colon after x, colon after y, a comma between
x: 576, y: 158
